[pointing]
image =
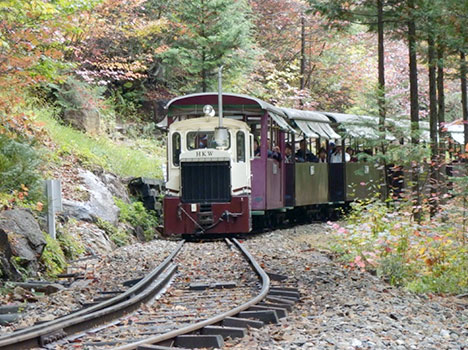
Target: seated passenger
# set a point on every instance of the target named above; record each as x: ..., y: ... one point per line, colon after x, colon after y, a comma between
x: 304, y: 155
x: 322, y: 155
x: 203, y: 141
x: 275, y: 154
x: 288, y: 154
x: 337, y: 156
x: 256, y: 148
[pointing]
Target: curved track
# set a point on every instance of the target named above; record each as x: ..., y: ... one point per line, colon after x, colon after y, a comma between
x: 200, y: 307
x: 42, y: 334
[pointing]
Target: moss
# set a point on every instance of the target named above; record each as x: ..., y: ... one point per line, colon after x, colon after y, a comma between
x: 71, y: 247
x: 53, y: 257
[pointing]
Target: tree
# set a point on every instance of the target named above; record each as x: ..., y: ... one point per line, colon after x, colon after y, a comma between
x: 211, y: 33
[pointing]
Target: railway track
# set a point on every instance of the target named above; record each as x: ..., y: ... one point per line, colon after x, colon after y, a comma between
x: 217, y: 291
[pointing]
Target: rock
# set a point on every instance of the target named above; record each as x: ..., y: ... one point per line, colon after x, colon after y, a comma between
x: 22, y: 222
x: 21, y: 239
x: 82, y: 113
x: 115, y: 186
x: 99, y: 205
x: 96, y: 240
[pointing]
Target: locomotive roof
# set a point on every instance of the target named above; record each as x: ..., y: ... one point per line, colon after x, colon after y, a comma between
x: 232, y: 103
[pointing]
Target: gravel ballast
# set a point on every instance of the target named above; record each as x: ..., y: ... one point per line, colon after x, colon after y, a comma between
x: 348, y: 309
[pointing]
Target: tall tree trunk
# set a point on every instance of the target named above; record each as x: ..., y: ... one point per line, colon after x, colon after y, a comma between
x: 203, y: 72
x: 381, y: 90
x: 303, y: 57
x: 464, y: 97
x: 414, y: 105
x: 441, y: 118
x: 433, y: 201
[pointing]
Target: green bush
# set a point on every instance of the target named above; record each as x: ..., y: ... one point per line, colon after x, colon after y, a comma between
x: 53, y: 257
x: 423, y: 257
x: 71, y: 247
x: 116, y: 235
x: 18, y: 166
x: 136, y: 215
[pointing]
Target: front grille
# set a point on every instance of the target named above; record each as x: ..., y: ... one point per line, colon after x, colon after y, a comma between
x: 205, y: 182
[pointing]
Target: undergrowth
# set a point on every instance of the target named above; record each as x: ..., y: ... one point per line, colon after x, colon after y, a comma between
x: 53, y: 257
x: 123, y: 160
x: 136, y: 215
x: 430, y: 257
x: 118, y: 236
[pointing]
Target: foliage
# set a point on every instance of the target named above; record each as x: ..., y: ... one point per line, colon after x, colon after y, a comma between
x: 19, y: 264
x: 32, y: 46
x: 19, y: 168
x: 427, y: 257
x: 116, y: 235
x: 53, y: 257
x: 121, y: 43
x: 71, y: 247
x: 210, y: 33
x: 136, y: 215
x: 73, y: 95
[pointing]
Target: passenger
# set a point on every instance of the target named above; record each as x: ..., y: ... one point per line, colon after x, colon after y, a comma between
x: 203, y: 141
x: 304, y: 155
x: 288, y: 154
x: 256, y: 148
x: 337, y: 156
x: 352, y: 154
x: 275, y: 154
x: 322, y: 155
x: 331, y: 149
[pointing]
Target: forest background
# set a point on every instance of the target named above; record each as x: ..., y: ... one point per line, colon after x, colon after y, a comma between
x: 399, y: 59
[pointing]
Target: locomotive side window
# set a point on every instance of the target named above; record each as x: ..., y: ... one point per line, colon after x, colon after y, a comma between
x: 240, y: 145
x: 202, y: 139
x: 176, y: 147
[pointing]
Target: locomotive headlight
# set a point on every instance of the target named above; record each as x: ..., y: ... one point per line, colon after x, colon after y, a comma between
x: 209, y: 111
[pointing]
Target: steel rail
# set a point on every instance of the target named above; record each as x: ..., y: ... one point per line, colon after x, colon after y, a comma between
x: 96, y: 314
x: 216, y: 319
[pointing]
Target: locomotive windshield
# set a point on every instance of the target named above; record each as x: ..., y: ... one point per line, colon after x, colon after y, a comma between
x: 203, y: 139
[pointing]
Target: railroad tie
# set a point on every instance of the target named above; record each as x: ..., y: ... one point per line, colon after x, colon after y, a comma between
x: 225, y: 332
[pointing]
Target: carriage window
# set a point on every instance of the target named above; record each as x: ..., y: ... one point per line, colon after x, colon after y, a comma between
x: 176, y: 147
x: 240, y: 142
x: 202, y: 139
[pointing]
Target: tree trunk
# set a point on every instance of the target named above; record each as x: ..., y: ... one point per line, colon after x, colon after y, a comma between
x: 303, y: 58
x: 381, y: 91
x: 464, y: 97
x: 203, y: 72
x: 441, y: 118
x: 414, y: 105
x: 433, y: 201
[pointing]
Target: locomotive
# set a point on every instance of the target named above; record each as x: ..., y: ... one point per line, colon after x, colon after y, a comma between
x: 220, y: 185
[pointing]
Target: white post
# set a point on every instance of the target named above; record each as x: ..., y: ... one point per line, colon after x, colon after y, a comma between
x: 54, y: 204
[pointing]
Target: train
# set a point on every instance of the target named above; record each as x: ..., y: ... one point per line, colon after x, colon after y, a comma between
x: 231, y: 173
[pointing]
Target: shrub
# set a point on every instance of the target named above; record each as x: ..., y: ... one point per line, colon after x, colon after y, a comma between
x: 71, y: 247
x: 18, y: 166
x: 53, y: 257
x: 136, y: 215
x: 116, y: 235
x: 427, y: 257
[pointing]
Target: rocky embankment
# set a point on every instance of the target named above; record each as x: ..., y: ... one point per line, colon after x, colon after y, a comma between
x: 87, y: 198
